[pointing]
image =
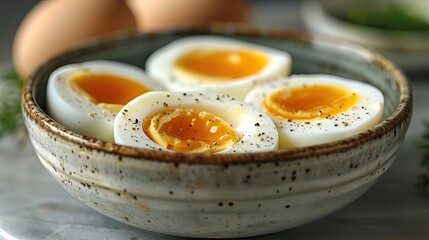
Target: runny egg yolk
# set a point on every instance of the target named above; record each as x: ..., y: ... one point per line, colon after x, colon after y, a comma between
x: 309, y: 102
x: 109, y: 91
x: 221, y: 64
x: 189, y: 130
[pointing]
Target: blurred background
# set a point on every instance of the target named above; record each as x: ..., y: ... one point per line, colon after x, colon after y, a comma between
x: 11, y: 14
x: 397, y: 29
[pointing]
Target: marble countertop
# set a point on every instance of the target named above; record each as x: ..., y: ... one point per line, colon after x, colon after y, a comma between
x: 34, y: 206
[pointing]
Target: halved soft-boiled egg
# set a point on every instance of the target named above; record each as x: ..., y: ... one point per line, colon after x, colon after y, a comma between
x: 216, y: 64
x: 194, y: 122
x: 85, y: 97
x: 316, y: 109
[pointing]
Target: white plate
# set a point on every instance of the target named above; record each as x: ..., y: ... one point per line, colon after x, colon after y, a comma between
x: 409, y: 50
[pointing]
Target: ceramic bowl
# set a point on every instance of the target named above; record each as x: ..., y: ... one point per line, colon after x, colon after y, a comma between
x: 406, y: 48
x: 232, y: 195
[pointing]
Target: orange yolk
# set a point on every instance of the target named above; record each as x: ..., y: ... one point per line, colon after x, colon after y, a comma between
x: 107, y: 90
x: 221, y: 64
x: 309, y: 102
x: 189, y: 130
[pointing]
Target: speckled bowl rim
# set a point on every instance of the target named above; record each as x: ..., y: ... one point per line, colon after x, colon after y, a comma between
x: 398, y: 117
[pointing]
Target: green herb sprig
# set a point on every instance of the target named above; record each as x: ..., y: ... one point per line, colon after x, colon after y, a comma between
x: 11, y: 119
x: 423, y: 179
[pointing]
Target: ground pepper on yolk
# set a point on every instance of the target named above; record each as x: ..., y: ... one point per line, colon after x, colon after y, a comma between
x: 309, y: 102
x: 189, y: 130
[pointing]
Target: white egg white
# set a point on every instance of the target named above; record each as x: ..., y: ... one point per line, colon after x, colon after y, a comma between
x: 160, y: 65
x: 79, y: 114
x: 256, y: 131
x: 364, y: 114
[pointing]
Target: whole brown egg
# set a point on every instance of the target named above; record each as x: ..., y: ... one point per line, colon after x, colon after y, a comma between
x: 152, y: 15
x: 54, y: 26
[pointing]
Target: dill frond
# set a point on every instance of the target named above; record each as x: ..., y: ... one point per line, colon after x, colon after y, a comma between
x: 10, y: 103
x: 423, y: 144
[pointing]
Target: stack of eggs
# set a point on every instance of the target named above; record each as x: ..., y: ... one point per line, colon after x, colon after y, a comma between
x: 210, y: 94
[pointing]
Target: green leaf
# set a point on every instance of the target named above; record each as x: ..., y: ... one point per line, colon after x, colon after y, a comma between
x: 397, y: 15
x: 422, y: 182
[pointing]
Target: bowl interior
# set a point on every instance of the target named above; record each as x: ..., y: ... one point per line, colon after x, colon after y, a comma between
x: 309, y: 55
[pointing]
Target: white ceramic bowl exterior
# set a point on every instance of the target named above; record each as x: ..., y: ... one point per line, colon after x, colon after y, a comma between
x: 199, y: 200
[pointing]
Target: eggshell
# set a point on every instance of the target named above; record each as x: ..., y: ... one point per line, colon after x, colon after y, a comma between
x: 52, y: 27
x: 154, y: 15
